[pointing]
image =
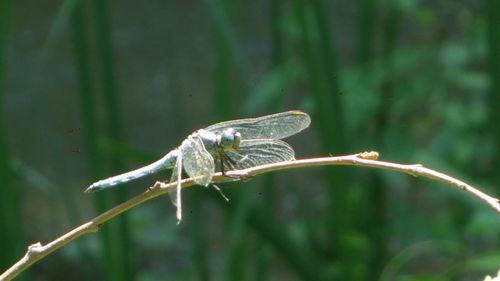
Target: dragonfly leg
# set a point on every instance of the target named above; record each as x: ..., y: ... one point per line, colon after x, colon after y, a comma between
x: 220, y: 191
x: 228, y: 160
x: 221, y: 161
x: 225, y: 159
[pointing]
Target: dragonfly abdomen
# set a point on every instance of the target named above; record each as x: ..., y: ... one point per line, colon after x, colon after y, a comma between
x: 165, y: 162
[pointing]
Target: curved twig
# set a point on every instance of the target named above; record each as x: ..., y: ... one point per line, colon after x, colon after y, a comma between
x: 37, y: 251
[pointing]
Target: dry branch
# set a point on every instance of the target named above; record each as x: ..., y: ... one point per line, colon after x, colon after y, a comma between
x: 37, y: 251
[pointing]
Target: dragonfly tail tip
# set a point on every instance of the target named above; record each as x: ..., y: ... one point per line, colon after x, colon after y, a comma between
x: 91, y: 189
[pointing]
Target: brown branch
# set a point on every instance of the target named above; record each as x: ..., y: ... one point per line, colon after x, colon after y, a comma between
x: 37, y: 251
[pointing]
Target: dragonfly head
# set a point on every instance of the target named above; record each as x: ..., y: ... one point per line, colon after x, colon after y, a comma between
x: 230, y: 139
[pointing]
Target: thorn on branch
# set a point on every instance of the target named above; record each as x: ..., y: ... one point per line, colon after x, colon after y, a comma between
x: 414, y: 169
x: 35, y: 249
x: 157, y: 186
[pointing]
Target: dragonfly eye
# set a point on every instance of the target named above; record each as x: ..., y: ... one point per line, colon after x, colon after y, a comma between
x: 230, y: 139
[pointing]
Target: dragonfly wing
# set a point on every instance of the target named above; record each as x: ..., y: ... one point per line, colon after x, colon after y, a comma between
x: 258, y: 152
x: 197, y: 161
x: 175, y: 196
x: 274, y: 126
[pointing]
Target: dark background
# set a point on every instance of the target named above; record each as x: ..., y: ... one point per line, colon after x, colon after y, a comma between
x: 89, y: 89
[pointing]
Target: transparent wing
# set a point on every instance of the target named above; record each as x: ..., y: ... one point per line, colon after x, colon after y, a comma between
x: 258, y: 152
x: 175, y: 196
x: 197, y: 162
x: 274, y: 126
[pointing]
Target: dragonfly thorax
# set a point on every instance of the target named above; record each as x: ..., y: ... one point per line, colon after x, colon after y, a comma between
x: 230, y: 139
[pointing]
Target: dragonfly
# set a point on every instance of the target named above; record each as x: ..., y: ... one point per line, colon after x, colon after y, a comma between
x: 224, y: 146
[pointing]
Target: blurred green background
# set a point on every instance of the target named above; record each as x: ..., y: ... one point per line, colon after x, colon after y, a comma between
x: 89, y: 89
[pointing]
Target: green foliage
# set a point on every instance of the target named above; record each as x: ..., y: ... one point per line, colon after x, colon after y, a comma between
x: 86, y: 87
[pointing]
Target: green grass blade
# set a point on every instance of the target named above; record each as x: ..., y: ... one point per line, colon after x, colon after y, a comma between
x: 121, y: 236
x: 10, y: 203
x: 225, y: 46
x: 367, y: 25
x: 377, y: 226
x: 493, y: 61
x: 86, y: 92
